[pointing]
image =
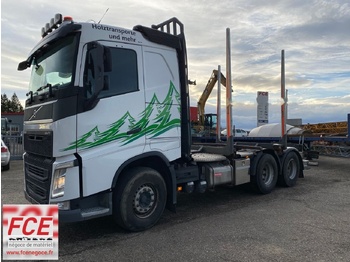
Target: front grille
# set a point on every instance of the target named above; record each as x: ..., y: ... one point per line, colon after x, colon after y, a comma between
x: 37, y: 192
x: 37, y: 172
x: 39, y: 142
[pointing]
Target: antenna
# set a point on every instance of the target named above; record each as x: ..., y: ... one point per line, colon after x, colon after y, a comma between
x: 103, y: 15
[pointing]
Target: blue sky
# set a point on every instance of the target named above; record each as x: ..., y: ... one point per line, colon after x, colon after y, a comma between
x: 315, y: 35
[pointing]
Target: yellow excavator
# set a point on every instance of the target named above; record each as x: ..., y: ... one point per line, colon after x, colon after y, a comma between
x: 207, y: 122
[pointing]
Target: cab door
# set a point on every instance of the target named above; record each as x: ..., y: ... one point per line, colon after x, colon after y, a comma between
x: 111, y: 132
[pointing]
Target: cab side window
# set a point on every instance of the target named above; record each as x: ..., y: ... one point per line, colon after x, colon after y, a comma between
x: 122, y: 78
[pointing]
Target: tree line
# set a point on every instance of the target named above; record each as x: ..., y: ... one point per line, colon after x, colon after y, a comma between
x: 10, y: 105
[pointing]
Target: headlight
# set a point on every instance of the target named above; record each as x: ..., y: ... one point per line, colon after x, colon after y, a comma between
x: 59, y: 180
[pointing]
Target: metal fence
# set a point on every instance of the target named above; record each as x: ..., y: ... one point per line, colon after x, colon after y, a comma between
x: 15, y: 145
x: 339, y: 151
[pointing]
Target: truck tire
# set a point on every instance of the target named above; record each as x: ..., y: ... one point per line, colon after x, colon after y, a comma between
x: 266, y: 175
x: 290, y: 170
x: 139, y: 199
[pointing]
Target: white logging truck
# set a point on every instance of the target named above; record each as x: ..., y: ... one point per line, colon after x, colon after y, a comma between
x: 107, y: 127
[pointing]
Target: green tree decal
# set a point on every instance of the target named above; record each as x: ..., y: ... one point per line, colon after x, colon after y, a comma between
x: 156, y: 119
x: 178, y: 100
x: 144, y: 121
x: 131, y: 122
x: 113, y: 132
x: 164, y: 118
x: 85, y: 141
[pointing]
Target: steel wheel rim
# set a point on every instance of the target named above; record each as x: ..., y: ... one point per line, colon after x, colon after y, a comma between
x: 292, y: 169
x: 144, y: 202
x: 267, y: 174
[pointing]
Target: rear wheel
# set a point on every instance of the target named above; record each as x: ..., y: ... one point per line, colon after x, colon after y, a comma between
x: 266, y: 174
x: 139, y: 199
x: 290, y: 170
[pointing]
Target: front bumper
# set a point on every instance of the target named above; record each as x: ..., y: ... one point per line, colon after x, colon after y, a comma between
x: 90, y: 207
x: 5, y: 159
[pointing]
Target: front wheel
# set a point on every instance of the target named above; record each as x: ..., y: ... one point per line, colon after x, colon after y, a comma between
x: 266, y: 174
x: 139, y: 199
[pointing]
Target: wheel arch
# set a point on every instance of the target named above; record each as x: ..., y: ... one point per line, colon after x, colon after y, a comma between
x: 158, y: 162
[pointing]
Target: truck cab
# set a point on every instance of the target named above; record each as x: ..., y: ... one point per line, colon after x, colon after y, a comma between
x: 98, y: 96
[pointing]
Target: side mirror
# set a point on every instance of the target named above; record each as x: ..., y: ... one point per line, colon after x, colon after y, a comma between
x: 98, y: 61
x: 23, y: 65
x: 96, y: 64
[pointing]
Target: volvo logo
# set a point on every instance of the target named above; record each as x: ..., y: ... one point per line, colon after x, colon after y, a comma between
x: 34, y: 113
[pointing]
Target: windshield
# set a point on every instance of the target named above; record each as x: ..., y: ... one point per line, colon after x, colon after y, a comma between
x: 53, y: 65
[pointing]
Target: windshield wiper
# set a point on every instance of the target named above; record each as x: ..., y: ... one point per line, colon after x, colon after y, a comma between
x: 43, y: 88
x: 51, y: 87
x: 41, y: 97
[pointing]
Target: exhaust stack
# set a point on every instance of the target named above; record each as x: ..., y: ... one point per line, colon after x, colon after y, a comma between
x: 283, y: 103
x: 218, y: 108
x: 228, y: 85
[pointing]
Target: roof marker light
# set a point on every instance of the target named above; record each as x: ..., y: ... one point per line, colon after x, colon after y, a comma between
x: 58, y: 19
x: 54, y: 23
x: 43, y: 33
x: 48, y: 29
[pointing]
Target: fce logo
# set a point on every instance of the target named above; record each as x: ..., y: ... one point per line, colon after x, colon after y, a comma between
x: 30, y: 232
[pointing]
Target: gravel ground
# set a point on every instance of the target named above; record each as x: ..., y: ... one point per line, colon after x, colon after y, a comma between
x: 309, y: 222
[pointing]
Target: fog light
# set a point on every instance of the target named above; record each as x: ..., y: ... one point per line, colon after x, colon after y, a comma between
x: 64, y: 205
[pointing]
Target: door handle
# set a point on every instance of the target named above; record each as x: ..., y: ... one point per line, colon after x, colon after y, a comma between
x: 133, y: 131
